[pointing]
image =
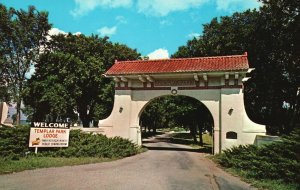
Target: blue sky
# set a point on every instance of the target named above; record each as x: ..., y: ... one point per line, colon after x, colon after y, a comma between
x: 153, y: 27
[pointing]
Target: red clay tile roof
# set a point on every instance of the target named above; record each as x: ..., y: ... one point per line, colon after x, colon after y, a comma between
x: 182, y: 65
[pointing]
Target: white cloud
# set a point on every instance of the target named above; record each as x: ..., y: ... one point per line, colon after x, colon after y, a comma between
x: 160, y: 7
x: 193, y: 35
x: 236, y: 5
x: 159, y: 54
x: 165, y: 23
x: 55, y: 31
x: 84, y: 6
x: 77, y: 33
x: 163, y: 8
x: 121, y: 20
x: 106, y: 31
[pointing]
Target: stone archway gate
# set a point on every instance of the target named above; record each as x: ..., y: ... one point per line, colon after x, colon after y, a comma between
x: 215, y: 81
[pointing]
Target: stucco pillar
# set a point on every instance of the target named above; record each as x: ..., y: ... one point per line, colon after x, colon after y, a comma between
x: 117, y: 124
x: 235, y: 119
x: 3, y: 112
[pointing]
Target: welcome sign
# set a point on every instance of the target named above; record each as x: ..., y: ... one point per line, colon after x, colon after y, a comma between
x: 43, y: 134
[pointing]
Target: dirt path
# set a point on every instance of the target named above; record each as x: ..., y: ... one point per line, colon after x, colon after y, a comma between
x: 165, y: 166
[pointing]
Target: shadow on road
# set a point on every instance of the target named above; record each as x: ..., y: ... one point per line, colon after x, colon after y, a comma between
x: 157, y: 139
x: 150, y: 134
x: 199, y: 150
x: 148, y: 143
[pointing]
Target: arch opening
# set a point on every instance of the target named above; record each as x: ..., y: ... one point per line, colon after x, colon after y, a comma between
x: 184, y: 119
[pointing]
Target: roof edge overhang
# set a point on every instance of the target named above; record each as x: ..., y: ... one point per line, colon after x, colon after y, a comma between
x: 216, y: 73
x: 187, y: 58
x: 233, y: 63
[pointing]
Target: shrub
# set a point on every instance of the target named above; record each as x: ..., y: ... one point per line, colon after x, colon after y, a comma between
x: 276, y: 161
x: 14, y: 144
x: 14, y: 141
x: 94, y: 145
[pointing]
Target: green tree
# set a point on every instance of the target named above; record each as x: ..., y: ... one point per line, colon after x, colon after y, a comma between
x: 177, y: 111
x: 22, y: 34
x: 155, y: 115
x: 68, y: 78
x: 227, y: 35
x: 270, y: 35
x: 282, y: 27
x: 4, y: 95
x: 192, y: 114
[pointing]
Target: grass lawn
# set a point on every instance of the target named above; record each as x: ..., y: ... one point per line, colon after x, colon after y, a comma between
x: 174, y: 129
x: 29, y: 163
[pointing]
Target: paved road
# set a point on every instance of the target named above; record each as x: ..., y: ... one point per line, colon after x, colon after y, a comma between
x: 165, y: 166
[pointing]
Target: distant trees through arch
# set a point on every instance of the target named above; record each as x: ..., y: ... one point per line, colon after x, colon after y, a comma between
x: 177, y: 112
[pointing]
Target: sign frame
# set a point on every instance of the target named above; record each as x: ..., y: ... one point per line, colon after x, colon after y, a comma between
x: 49, y: 134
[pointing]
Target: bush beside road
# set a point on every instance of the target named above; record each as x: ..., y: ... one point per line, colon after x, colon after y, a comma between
x: 274, y: 166
x: 84, y: 148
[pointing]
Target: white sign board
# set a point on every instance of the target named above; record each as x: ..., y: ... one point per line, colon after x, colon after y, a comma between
x: 49, y: 134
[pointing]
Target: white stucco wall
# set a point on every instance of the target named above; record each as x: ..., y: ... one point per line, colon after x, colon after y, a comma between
x: 236, y: 120
x: 3, y: 112
x: 130, y: 102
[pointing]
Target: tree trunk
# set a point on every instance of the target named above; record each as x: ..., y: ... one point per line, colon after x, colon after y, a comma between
x: 18, y: 116
x: 85, y: 123
x: 154, y: 129
x: 295, y: 114
x: 200, y: 135
x: 84, y: 119
x: 194, y: 133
